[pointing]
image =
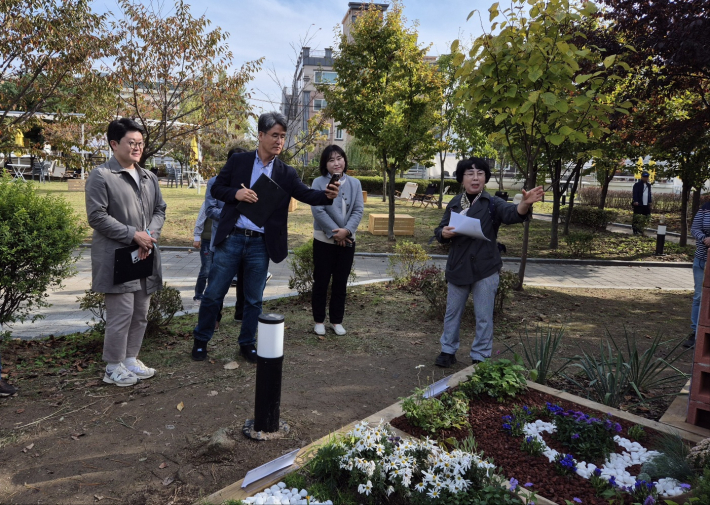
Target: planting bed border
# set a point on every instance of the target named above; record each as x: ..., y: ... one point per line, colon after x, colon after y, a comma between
x: 305, y: 454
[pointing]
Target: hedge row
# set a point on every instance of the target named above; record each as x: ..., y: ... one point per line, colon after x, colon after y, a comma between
x: 591, y: 217
x: 373, y: 185
x: 663, y: 203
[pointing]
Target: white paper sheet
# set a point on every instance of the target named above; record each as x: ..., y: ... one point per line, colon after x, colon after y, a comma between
x: 469, y: 226
x: 270, y: 467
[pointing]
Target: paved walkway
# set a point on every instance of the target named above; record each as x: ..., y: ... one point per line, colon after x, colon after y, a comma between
x: 180, y: 269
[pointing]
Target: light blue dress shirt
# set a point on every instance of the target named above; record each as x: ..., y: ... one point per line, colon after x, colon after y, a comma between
x: 259, y: 168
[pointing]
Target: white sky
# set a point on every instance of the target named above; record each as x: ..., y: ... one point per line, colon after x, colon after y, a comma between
x: 268, y: 28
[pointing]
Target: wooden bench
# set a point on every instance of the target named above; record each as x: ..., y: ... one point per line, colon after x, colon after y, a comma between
x: 403, y: 224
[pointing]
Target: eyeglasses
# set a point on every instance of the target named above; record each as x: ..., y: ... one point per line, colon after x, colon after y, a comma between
x: 133, y: 145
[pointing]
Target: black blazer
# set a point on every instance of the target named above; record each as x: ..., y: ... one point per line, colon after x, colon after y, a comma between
x: 236, y: 172
x: 637, y: 192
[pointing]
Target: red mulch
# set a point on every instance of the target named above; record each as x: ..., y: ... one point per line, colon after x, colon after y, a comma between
x: 486, y: 426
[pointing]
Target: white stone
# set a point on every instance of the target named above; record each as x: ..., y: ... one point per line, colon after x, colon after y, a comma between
x: 281, y: 485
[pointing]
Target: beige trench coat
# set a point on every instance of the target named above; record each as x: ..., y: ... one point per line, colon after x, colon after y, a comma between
x: 116, y: 208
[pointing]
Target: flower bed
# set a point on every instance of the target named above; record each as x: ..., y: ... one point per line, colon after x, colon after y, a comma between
x: 502, y: 431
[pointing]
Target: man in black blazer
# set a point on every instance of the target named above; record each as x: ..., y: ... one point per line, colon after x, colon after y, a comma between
x: 238, y: 241
x: 641, y: 200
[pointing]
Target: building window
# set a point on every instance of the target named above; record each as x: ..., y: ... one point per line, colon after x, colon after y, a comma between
x: 319, y: 104
x: 325, y: 77
x: 338, y: 133
x: 325, y: 131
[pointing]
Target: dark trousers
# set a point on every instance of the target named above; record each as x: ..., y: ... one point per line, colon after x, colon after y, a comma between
x: 239, y: 307
x: 330, y: 260
x: 644, y: 210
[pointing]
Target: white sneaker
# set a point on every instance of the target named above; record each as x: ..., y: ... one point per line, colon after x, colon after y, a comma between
x: 319, y: 328
x: 142, y: 371
x: 121, y: 376
x: 339, y: 330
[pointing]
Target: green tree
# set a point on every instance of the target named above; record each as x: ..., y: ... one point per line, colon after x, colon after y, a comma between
x: 38, y: 235
x: 172, y: 74
x: 540, y: 83
x: 386, y: 94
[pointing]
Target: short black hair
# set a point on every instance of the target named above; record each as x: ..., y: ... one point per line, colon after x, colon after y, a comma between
x: 270, y: 119
x: 235, y: 150
x: 118, y: 128
x: 325, y: 157
x: 477, y: 163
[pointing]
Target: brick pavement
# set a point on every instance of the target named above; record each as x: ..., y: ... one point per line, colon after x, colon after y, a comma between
x: 180, y: 270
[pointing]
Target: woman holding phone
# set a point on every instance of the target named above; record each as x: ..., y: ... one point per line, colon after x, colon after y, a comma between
x: 334, y: 228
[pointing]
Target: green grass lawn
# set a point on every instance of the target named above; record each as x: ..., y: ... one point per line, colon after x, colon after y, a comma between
x: 184, y: 204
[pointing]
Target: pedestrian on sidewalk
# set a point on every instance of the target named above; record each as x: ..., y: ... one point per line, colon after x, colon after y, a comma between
x: 641, y: 201
x: 239, y: 241
x: 334, y: 228
x: 473, y: 264
x: 701, y: 231
x: 125, y: 207
x: 5, y: 388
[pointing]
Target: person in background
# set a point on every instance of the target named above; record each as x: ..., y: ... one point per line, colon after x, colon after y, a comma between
x: 5, y: 388
x: 641, y: 196
x: 239, y: 241
x: 334, y: 230
x: 202, y: 236
x: 124, y: 206
x: 474, y: 264
x: 701, y: 231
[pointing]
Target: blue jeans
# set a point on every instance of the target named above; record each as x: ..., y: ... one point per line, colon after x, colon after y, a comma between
x: 698, y: 275
x: 483, y: 294
x: 206, y: 260
x: 233, y: 251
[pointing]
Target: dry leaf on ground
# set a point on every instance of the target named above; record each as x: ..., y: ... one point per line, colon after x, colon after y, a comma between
x: 232, y: 365
x: 180, y: 406
x: 163, y: 465
x: 212, y: 393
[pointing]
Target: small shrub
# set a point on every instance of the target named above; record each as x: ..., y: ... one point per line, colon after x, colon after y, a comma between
x: 435, y: 414
x: 164, y: 304
x: 508, y: 281
x: 301, y: 264
x: 699, y: 456
x: 409, y: 257
x: 580, y: 243
x: 591, y: 217
x: 431, y: 282
x: 701, y: 490
x: 609, y: 375
x: 641, y: 222
x: 532, y: 446
x: 588, y: 437
x: 498, y: 379
x: 540, y: 350
x: 636, y: 432
x: 38, y: 235
x: 673, y: 460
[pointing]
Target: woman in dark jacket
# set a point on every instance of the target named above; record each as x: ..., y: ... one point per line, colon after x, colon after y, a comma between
x: 474, y: 263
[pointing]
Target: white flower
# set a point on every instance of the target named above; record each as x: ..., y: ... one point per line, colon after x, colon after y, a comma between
x: 420, y: 487
x: 365, y: 488
x: 390, y: 490
x: 434, y: 493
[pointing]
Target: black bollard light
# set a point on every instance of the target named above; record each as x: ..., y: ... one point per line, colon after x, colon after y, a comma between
x: 269, y: 367
x: 660, y: 237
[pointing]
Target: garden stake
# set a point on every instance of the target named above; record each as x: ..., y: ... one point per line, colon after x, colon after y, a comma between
x: 660, y: 238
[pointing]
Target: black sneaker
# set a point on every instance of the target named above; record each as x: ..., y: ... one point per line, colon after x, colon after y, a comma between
x: 445, y: 360
x: 248, y: 352
x: 238, y: 317
x: 690, y: 343
x: 199, y: 350
x: 6, y: 389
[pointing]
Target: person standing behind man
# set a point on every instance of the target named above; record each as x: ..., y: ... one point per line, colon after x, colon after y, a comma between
x: 701, y: 231
x: 334, y: 230
x: 125, y: 207
x: 239, y: 241
x: 641, y: 200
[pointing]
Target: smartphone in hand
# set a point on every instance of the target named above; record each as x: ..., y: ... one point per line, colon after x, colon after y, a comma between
x: 335, y: 178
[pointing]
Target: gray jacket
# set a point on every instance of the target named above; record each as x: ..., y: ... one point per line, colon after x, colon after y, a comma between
x: 470, y: 259
x: 116, y: 208
x: 329, y: 217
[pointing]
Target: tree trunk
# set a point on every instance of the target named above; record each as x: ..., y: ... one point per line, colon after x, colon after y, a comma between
x: 605, y: 189
x: 500, y: 173
x: 556, y: 173
x: 390, y: 224
x: 685, y: 196
x: 573, y: 192
x: 442, y: 160
x: 384, y: 178
x: 696, y: 204
x: 529, y: 183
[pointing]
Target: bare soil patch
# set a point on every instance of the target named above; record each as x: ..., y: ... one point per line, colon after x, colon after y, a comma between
x: 69, y: 438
